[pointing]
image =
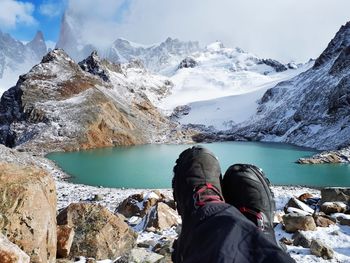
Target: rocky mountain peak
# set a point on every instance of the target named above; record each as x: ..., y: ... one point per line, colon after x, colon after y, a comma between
x: 67, y: 39
x: 93, y: 65
x: 335, y: 47
x: 38, y: 45
x: 56, y: 55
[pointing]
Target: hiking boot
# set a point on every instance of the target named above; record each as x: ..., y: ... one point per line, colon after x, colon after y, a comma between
x: 247, y: 188
x: 197, y: 180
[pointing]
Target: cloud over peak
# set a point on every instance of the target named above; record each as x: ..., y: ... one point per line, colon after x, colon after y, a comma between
x: 14, y: 12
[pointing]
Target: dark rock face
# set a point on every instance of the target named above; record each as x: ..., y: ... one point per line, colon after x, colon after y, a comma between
x: 339, y: 102
x: 338, y: 43
x: 278, y: 66
x: 188, y: 63
x: 92, y: 65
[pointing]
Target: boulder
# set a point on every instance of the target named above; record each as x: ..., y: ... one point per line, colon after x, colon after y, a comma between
x: 293, y: 202
x: 305, y: 196
x: 294, y: 222
x: 98, y: 232
x: 333, y: 207
x: 319, y: 249
x: 286, y: 241
x: 335, y: 194
x: 165, y: 248
x: 344, y: 221
x: 138, y: 255
x: 28, y: 210
x: 160, y: 217
x: 65, y: 235
x: 324, y: 221
x: 11, y: 253
x: 299, y: 239
x: 139, y: 204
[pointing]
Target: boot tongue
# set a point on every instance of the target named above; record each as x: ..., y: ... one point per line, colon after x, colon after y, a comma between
x: 206, y: 194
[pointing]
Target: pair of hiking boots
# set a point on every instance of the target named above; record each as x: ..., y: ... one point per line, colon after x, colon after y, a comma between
x: 197, y: 180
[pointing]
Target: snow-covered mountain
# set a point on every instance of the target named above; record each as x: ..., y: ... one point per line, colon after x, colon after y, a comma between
x: 224, y: 83
x: 311, y: 109
x: 17, y: 58
x: 156, y: 58
x: 62, y: 105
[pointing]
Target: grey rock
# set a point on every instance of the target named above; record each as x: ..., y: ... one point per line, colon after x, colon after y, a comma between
x: 188, y: 62
x: 319, y: 249
x: 299, y: 239
x: 278, y: 66
x: 294, y: 202
x: 344, y: 221
x: 140, y: 255
x: 335, y: 194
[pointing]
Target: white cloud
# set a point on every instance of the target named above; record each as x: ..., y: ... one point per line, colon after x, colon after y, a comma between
x: 95, y: 21
x: 14, y: 12
x: 51, y: 9
x: 285, y: 30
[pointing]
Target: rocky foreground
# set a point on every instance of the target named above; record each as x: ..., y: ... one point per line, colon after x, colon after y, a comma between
x: 46, y: 219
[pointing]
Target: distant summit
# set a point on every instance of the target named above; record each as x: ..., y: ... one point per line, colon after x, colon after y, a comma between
x: 16, y: 58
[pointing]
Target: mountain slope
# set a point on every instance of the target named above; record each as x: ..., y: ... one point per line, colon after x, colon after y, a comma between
x: 312, y: 109
x: 60, y: 105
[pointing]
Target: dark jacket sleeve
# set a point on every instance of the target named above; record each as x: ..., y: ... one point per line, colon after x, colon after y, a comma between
x: 226, y: 236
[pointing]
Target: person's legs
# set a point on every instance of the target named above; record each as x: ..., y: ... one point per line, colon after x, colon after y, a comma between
x: 197, y: 179
x: 246, y: 187
x: 212, y: 230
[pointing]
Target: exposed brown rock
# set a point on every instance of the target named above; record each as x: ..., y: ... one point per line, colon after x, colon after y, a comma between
x: 333, y: 207
x: 323, y: 221
x: 98, y: 233
x: 294, y: 222
x: 286, y: 241
x: 319, y: 249
x: 140, y: 204
x: 65, y: 235
x: 162, y: 217
x: 11, y: 253
x: 305, y: 196
x: 28, y: 210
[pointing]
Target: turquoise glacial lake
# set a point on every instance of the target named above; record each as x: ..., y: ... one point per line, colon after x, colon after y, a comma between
x: 150, y: 166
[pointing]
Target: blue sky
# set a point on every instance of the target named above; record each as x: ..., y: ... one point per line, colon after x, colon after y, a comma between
x: 23, y: 18
x: 30, y: 16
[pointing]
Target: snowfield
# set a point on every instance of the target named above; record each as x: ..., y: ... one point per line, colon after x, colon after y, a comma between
x: 223, y: 88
